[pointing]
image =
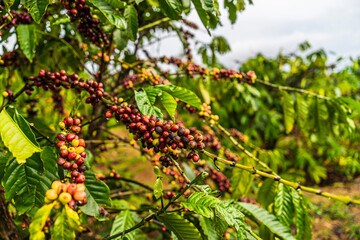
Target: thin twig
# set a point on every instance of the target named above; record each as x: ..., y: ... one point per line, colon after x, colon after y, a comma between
x: 297, y: 186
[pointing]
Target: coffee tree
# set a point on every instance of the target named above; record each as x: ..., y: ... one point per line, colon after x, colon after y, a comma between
x: 229, y: 150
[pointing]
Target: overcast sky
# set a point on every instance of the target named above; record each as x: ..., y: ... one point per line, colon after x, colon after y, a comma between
x: 269, y: 26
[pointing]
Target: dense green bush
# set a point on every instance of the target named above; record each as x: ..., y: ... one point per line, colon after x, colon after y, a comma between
x: 230, y: 152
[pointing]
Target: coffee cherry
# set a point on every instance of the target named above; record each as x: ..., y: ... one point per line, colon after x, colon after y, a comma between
x: 174, y: 128
x: 70, y: 137
x: 80, y: 150
x: 23, y: 225
x: 108, y: 114
x: 75, y: 142
x: 61, y: 161
x: 56, y: 185
x: 60, y: 143
x: 74, y: 174
x: 72, y: 156
x: 82, y: 142
x: 66, y: 165
x: 65, y: 197
x: 64, y: 153
x: 80, y: 161
x: 51, y: 194
x: 80, y: 187
x: 72, y: 204
x: 72, y: 188
x: 77, y: 121
x: 79, y: 195
x: 196, y: 157
x: 80, y: 178
x: 74, y: 166
x: 82, y: 168
x: 69, y: 121
x: 75, y: 129
x: 61, y: 137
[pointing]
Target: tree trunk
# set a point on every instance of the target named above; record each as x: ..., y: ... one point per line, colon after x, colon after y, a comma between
x: 8, y: 230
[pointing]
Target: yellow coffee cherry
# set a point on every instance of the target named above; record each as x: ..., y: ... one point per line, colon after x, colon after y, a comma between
x: 51, y: 194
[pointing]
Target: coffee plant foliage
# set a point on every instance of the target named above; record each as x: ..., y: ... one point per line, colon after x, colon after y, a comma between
x: 102, y: 140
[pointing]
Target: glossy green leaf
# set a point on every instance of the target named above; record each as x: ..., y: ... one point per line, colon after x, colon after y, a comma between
x: 289, y: 112
x: 207, y: 228
x: 301, y: 110
x: 114, y: 17
x: 26, y: 38
x: 201, y: 203
x: 19, y: 178
x: 38, y: 222
x: 122, y: 222
x: 303, y: 223
x: 36, y: 8
x: 4, y: 159
x: 283, y: 205
x: 241, y: 180
x: 171, y: 8
x: 158, y: 188
x: 66, y: 224
x: 145, y: 100
x: 183, y: 94
x: 169, y: 103
x: 269, y: 220
x: 183, y: 229
x: 131, y: 17
x: 15, y: 139
x: 267, y: 192
x: 97, y: 194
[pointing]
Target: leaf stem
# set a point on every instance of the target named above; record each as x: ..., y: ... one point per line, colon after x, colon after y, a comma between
x: 286, y: 88
x: 153, y: 24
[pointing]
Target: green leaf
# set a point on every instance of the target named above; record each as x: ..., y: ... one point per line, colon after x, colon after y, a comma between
x: 26, y: 38
x: 36, y: 8
x: 303, y: 223
x: 25, y: 127
x: 283, y: 205
x: 38, y: 222
x: 171, y: 8
x: 110, y: 13
x: 145, y: 100
x: 169, y: 103
x: 267, y: 192
x: 4, y: 159
x: 233, y: 216
x: 116, y: 4
x: 158, y: 188
x: 15, y: 139
x: 269, y: 220
x: 289, y: 112
x: 19, y: 178
x: 301, y: 110
x: 97, y: 194
x: 183, y: 94
x: 203, y: 15
x: 131, y: 17
x: 241, y: 180
x: 182, y: 228
x: 320, y: 115
x: 25, y: 201
x: 219, y: 224
x: 122, y: 222
x: 207, y: 229
x: 65, y: 224
x: 201, y: 203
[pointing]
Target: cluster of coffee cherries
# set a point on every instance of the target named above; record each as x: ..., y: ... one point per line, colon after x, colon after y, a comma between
x: 16, y: 18
x: 143, y: 75
x: 66, y: 193
x: 161, y: 136
x: 231, y: 156
x: 12, y: 58
x: 210, y: 139
x: 49, y: 80
x: 220, y: 179
x: 72, y: 149
x: 88, y: 24
x: 239, y: 135
x: 227, y: 74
